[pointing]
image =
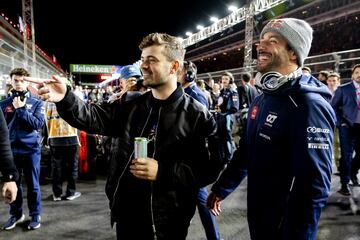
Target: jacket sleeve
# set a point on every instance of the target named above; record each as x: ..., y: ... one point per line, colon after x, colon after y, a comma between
x: 234, y: 173
x: 7, y: 165
x: 233, y: 103
x: 311, y: 154
x: 336, y: 103
x: 35, y: 120
x: 91, y: 118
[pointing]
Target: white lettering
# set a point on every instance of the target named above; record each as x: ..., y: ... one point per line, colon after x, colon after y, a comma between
x: 318, y: 146
x: 317, y: 130
x: 264, y: 136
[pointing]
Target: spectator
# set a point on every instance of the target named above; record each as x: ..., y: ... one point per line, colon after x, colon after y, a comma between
x: 64, y: 147
x: 187, y: 81
x: 156, y: 195
x: 228, y: 104
x: 346, y: 104
x: 24, y: 114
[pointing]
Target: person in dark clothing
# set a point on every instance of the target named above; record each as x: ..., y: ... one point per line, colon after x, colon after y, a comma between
x: 286, y: 150
x: 227, y: 106
x: 346, y: 103
x: 153, y: 197
x: 187, y: 81
x: 247, y: 93
x: 7, y: 166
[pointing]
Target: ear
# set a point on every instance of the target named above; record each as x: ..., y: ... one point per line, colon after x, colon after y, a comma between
x: 175, y: 65
x: 292, y: 56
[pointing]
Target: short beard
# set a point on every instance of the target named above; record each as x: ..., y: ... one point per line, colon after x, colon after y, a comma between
x: 153, y: 85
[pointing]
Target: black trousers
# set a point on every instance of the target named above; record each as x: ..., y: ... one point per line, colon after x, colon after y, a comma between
x: 64, y: 164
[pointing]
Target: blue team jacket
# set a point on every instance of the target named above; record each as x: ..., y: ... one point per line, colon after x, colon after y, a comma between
x: 286, y: 152
x: 24, y: 124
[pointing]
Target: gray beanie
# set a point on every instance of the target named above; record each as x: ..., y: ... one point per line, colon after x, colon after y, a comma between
x: 297, y: 33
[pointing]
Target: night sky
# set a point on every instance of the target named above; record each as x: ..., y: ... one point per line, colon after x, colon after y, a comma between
x: 109, y: 32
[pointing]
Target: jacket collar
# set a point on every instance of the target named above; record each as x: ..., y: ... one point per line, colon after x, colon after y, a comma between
x: 177, y: 94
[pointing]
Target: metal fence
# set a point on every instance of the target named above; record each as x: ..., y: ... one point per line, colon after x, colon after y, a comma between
x: 340, y: 62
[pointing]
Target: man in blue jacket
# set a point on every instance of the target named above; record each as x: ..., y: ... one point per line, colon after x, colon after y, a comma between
x: 187, y: 81
x: 287, y: 148
x: 346, y: 103
x: 24, y: 115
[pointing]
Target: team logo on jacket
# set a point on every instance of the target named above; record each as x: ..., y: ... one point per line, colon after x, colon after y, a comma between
x: 9, y: 109
x: 254, y: 112
x: 270, y: 119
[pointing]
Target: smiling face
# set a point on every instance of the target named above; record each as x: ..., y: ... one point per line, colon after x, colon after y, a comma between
x: 155, y: 66
x: 273, y: 54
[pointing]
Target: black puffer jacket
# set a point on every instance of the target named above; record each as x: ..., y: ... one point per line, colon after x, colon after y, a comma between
x: 185, y: 164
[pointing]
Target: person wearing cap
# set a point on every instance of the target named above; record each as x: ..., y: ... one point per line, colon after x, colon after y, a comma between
x: 130, y: 75
x: 286, y: 151
x: 153, y: 197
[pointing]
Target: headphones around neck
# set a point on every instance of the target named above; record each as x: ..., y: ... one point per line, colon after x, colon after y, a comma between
x: 20, y: 94
x: 191, y: 71
x: 273, y: 80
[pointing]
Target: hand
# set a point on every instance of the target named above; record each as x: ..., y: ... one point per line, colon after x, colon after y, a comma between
x: 213, y: 203
x: 217, y: 109
x: 9, y: 191
x: 17, y: 103
x: 52, y: 90
x: 144, y: 168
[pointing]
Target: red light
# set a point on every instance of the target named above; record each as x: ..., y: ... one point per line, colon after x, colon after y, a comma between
x: 104, y: 76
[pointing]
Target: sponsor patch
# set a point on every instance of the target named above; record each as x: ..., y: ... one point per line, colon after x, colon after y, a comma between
x: 265, y: 136
x: 9, y: 109
x: 318, y: 146
x: 254, y: 112
x: 317, y: 130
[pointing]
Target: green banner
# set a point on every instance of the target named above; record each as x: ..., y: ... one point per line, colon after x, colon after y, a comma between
x: 86, y: 68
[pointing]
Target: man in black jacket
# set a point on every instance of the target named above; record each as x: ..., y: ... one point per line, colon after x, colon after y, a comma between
x: 7, y: 166
x: 153, y: 197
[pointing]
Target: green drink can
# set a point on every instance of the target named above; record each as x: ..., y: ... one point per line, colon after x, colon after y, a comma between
x: 140, y: 147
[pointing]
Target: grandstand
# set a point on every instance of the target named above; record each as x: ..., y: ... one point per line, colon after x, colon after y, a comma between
x: 12, y: 54
x: 336, y: 43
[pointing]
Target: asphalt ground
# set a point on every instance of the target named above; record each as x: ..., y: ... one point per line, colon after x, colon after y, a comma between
x: 87, y: 217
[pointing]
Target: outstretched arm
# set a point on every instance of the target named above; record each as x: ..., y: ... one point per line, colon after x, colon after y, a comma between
x: 52, y: 90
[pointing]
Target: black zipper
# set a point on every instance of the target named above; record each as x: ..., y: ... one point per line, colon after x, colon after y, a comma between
x: 128, y: 162
x: 151, y: 184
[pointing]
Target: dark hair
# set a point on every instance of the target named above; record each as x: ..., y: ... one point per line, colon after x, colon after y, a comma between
x: 355, y: 67
x: 324, y: 73
x: 246, y: 77
x: 230, y: 75
x: 19, y: 72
